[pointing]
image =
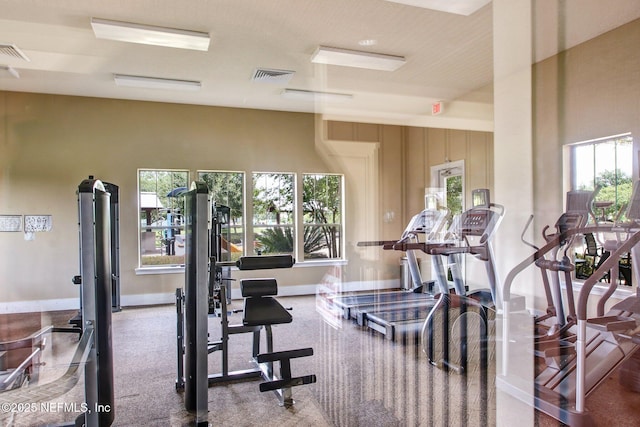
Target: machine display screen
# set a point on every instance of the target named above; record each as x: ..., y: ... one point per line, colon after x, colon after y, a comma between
x: 480, y: 198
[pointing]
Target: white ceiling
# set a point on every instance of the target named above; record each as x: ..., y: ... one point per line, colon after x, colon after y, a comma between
x: 449, y: 56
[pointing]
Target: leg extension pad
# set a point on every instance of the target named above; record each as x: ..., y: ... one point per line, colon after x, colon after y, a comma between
x: 286, y: 381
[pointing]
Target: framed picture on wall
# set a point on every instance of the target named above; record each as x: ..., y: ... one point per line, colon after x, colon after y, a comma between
x: 10, y: 222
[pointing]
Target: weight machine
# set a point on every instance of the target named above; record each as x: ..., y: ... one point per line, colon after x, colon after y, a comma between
x: 261, y: 311
x: 94, y: 352
x: 114, y: 227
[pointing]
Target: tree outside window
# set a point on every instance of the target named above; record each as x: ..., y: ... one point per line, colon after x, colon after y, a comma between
x: 274, y: 207
x: 273, y: 213
x: 161, y: 223
x: 322, y: 216
x: 607, y: 164
x: 227, y: 189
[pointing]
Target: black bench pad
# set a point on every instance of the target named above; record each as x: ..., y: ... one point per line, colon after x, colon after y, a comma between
x: 265, y: 262
x: 282, y: 355
x: 264, y: 311
x: 289, y: 382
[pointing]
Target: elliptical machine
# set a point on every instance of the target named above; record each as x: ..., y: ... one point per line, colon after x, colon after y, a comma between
x: 445, y: 333
x: 555, y: 323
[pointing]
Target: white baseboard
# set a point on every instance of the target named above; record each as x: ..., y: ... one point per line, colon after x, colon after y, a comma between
x: 170, y: 298
x: 147, y: 299
x: 40, y: 305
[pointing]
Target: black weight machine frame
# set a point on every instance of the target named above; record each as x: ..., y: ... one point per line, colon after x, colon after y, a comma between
x: 94, y: 351
x: 114, y: 226
x: 193, y: 306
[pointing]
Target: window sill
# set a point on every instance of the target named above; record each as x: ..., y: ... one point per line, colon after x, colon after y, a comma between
x: 321, y: 263
x: 141, y: 271
x: 620, y: 293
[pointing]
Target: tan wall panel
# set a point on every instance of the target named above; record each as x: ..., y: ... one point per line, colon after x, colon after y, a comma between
x: 477, y: 160
x: 456, y: 145
x: 392, y: 181
x: 436, y: 146
x: 56, y: 141
x: 341, y: 131
x: 416, y: 171
x: 588, y: 92
x: 368, y: 132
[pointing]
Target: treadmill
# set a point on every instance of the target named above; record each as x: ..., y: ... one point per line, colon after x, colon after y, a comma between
x: 428, y: 223
x: 470, y: 233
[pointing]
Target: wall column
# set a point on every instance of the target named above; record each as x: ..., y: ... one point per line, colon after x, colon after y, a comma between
x: 513, y: 160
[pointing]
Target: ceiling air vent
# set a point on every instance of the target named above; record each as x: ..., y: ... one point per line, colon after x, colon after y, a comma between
x: 268, y: 75
x: 12, y: 51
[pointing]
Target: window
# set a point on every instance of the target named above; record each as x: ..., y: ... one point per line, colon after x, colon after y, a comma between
x: 322, y: 216
x: 161, y: 222
x: 273, y: 213
x: 455, y: 195
x: 605, y: 163
x: 227, y: 189
x: 273, y: 209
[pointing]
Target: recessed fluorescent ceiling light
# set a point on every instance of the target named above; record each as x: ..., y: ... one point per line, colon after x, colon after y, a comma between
x: 310, y: 95
x: 146, y: 34
x: 7, y: 71
x: 459, y: 7
x: 358, y: 59
x: 155, y: 82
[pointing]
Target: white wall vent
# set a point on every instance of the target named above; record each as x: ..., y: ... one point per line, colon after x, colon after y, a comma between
x: 269, y: 75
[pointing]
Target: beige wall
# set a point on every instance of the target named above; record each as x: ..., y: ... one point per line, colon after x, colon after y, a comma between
x: 589, y: 91
x: 427, y: 147
x: 406, y: 155
x: 49, y: 143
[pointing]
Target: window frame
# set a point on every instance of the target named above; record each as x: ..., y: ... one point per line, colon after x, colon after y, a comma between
x: 339, y: 240
x: 295, y: 217
x: 155, y: 228
x: 243, y: 198
x: 291, y: 219
x: 594, y: 143
x: 622, y: 290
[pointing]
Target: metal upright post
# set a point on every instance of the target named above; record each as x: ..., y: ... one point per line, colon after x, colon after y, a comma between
x: 197, y: 211
x: 95, y: 270
x: 115, y: 245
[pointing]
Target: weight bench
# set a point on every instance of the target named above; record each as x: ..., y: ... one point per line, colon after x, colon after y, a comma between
x: 262, y: 310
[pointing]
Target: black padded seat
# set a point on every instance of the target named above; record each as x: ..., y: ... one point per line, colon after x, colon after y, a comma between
x: 264, y: 311
x: 259, y: 307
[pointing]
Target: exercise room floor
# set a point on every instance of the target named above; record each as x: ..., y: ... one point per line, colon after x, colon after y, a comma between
x: 363, y: 379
